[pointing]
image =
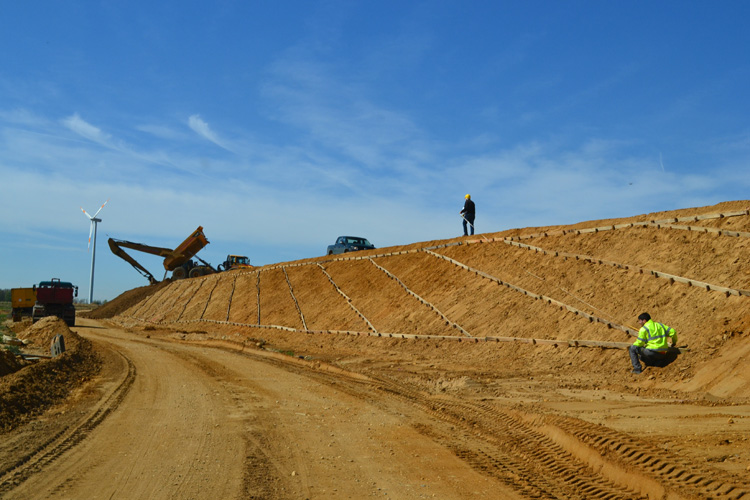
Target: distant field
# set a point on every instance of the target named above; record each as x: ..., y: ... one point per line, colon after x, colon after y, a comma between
x: 85, y: 307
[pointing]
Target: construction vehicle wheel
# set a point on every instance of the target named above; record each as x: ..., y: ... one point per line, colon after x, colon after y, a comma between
x: 179, y: 273
x: 195, y: 272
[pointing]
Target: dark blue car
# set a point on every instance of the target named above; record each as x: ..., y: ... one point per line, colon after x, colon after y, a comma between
x: 349, y: 244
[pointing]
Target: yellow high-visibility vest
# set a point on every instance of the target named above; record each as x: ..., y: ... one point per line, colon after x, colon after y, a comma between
x: 655, y: 336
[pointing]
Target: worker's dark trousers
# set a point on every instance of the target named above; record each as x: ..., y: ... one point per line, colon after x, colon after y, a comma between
x: 649, y: 357
x: 471, y: 224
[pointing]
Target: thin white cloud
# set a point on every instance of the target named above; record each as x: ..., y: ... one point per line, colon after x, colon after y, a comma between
x: 23, y: 117
x: 200, y: 127
x: 81, y: 127
x: 120, y: 151
x: 528, y: 184
x: 339, y: 115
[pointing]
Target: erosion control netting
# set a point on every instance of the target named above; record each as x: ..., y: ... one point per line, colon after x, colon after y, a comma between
x: 565, y: 300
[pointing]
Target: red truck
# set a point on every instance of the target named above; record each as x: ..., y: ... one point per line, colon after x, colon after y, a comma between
x: 55, y: 298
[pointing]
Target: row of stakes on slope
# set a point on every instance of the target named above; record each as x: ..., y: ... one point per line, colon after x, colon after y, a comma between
x: 422, y: 300
x: 660, y: 223
x: 411, y: 336
x: 666, y: 223
x: 610, y: 324
x: 575, y: 343
x: 548, y: 300
x: 657, y: 274
x: 296, y: 304
x: 336, y: 287
x: 535, y: 341
x: 348, y: 299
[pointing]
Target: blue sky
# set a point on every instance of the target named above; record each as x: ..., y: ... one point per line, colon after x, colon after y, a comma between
x: 278, y: 126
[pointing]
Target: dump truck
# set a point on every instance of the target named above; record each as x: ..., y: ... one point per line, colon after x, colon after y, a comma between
x: 22, y: 302
x: 55, y: 298
x: 178, y: 261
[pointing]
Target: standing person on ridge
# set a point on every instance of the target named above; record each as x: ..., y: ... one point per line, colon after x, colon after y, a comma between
x: 651, y: 346
x: 467, y: 213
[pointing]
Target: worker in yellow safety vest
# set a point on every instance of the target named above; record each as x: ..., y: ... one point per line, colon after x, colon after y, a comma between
x: 652, y: 344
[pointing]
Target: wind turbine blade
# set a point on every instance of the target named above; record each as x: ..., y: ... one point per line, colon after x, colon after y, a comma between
x: 91, y: 231
x: 85, y: 212
x: 100, y: 208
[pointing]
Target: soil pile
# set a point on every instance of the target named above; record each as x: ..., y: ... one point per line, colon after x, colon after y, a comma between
x: 28, y: 392
x: 18, y: 326
x: 123, y: 301
x: 8, y: 362
x: 546, y: 300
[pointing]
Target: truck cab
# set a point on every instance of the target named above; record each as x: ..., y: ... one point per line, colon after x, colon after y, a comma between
x: 55, y: 298
x: 236, y: 262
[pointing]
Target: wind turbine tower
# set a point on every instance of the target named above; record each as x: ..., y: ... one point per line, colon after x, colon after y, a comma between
x: 92, y: 231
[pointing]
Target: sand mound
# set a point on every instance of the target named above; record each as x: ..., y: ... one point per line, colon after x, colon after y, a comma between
x: 28, y: 392
x: 39, y: 336
x: 8, y: 362
x: 18, y: 326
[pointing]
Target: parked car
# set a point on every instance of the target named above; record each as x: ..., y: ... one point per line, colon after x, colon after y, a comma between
x: 349, y: 244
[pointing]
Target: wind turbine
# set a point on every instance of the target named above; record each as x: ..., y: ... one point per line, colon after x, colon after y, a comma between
x: 94, y: 222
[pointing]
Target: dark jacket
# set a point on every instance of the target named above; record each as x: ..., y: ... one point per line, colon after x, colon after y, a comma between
x: 468, y: 210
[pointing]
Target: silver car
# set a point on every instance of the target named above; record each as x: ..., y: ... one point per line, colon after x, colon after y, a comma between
x: 346, y: 244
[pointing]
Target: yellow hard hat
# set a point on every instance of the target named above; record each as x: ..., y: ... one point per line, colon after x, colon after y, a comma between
x: 467, y: 196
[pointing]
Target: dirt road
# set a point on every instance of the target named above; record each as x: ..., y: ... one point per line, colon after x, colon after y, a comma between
x: 172, y: 419
x: 186, y: 421
x: 487, y: 368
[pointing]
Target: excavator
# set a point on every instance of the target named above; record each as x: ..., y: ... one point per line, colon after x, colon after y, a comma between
x: 180, y: 260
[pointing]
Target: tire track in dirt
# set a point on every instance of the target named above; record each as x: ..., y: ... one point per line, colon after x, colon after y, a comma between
x: 261, y: 466
x: 669, y: 469
x: 544, y: 456
x: 265, y: 467
x: 531, y: 460
x: 45, y: 454
x: 539, y: 437
x: 497, y: 443
x: 170, y: 435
